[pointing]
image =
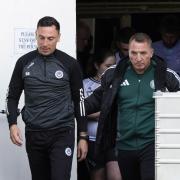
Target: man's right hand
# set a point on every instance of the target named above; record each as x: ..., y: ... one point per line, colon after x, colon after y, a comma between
x: 15, y: 135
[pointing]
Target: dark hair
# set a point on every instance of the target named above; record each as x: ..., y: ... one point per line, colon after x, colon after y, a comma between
x: 170, y: 24
x: 141, y: 37
x: 48, y: 21
x: 82, y: 25
x: 124, y: 34
x: 98, y: 58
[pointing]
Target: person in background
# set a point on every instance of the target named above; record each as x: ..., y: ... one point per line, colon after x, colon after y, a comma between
x: 98, y: 167
x: 83, y: 48
x: 125, y: 99
x: 53, y: 90
x: 84, y: 45
x: 122, y: 42
x: 169, y: 47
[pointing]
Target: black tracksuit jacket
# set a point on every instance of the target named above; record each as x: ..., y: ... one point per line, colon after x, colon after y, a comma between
x: 53, y: 92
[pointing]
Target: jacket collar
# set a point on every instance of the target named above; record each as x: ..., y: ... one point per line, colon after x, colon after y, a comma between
x: 159, y: 76
x: 48, y: 56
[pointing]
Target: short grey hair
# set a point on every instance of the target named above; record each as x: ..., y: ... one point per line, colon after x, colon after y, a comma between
x: 141, y: 37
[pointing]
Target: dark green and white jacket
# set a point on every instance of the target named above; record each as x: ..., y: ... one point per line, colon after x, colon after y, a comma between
x: 108, y: 97
x: 135, y: 118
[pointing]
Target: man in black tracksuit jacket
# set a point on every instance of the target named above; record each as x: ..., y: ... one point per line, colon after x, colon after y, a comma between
x: 53, y: 90
x: 126, y: 102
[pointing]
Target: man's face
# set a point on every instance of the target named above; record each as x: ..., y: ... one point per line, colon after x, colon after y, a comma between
x: 169, y: 39
x: 123, y: 47
x: 140, y: 54
x: 47, y: 38
x: 83, y: 36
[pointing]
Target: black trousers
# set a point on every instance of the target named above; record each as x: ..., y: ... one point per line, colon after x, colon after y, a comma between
x: 139, y: 164
x: 50, y: 154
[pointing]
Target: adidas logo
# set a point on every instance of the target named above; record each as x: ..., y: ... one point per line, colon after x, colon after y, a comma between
x: 125, y: 83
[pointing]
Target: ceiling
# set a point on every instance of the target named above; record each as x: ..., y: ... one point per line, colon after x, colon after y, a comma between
x: 109, y: 8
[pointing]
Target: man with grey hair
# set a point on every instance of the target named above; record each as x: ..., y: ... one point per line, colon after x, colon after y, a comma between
x: 126, y: 102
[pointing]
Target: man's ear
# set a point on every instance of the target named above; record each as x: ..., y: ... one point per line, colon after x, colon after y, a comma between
x: 152, y: 52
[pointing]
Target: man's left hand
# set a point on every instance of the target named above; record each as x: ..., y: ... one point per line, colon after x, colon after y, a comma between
x: 82, y: 149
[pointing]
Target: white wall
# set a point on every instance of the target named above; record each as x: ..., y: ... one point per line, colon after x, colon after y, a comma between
x: 18, y: 19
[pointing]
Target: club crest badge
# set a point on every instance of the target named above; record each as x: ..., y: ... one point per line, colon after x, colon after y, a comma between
x: 68, y: 151
x: 59, y: 74
x: 152, y: 84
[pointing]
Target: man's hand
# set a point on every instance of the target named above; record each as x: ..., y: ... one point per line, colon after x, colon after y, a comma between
x: 82, y: 149
x: 15, y: 135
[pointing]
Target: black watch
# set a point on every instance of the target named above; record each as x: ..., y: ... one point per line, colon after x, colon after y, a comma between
x: 83, y: 137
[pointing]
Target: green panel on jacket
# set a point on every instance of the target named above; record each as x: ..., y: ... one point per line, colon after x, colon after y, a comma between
x: 135, y: 120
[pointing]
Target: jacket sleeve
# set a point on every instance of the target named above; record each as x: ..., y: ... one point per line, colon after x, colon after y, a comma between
x: 93, y: 103
x: 76, y: 85
x: 172, y: 81
x: 14, y: 92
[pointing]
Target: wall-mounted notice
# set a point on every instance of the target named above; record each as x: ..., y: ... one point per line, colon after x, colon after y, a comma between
x: 24, y: 40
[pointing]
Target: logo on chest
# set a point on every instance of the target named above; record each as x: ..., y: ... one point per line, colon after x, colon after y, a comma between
x: 152, y: 84
x: 59, y: 74
x: 125, y: 83
x: 27, y: 73
x: 31, y: 64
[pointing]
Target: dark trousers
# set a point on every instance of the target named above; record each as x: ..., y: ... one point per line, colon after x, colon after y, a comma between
x: 139, y: 164
x: 50, y: 154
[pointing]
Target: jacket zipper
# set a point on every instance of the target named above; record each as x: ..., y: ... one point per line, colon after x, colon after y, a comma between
x: 139, y: 82
x: 45, y: 67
